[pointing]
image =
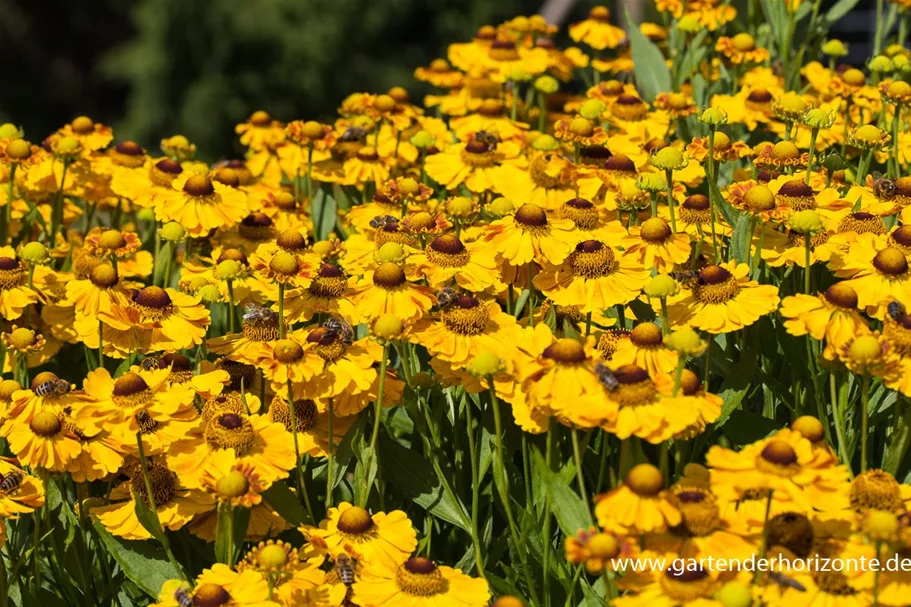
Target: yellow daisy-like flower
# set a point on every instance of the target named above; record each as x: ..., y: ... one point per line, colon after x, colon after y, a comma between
x: 466, y: 327
x: 20, y: 493
x: 530, y: 235
x: 259, y: 130
x: 219, y: 585
x: 201, y: 204
x: 387, y: 290
x: 723, y: 299
x: 15, y: 294
x: 595, y: 275
x: 597, y: 31
x: 103, y: 289
x: 446, y: 259
x: 638, y: 505
x: 91, y: 135
x: 381, y: 539
x: 40, y: 440
x: 654, y: 245
x: 644, y: 347
x: 180, y: 320
x: 418, y: 582
x: 832, y: 315
x: 471, y: 163
x: 876, y: 271
x: 176, y: 505
x: 253, y: 439
x: 741, y: 49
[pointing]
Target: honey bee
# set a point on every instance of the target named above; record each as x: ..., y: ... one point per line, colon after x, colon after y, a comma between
x: 446, y: 297
x: 487, y: 138
x: 883, y: 187
x: 606, y: 377
x: 786, y: 582
x: 254, y: 313
x: 340, y: 328
x: 353, y: 133
x: 684, y: 277
x: 150, y: 363
x: 183, y: 598
x: 344, y: 567
x: 896, y: 310
x: 53, y: 387
x: 381, y: 221
x: 11, y: 481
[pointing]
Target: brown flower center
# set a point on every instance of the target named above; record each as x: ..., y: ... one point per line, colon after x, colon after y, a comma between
x: 565, y: 350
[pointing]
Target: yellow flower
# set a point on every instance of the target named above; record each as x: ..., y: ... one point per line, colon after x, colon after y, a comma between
x: 21, y: 494
x: 645, y: 348
x: 597, y: 31
x: 741, y: 49
x: 530, y: 235
x: 654, y: 245
x: 379, y: 539
x: 220, y: 586
x: 180, y: 320
x: 831, y: 315
x: 471, y: 163
x: 638, y: 505
x: 387, y: 290
x: 201, y: 204
x: 723, y: 299
x: 419, y: 582
x: 260, y: 129
x: 40, y: 440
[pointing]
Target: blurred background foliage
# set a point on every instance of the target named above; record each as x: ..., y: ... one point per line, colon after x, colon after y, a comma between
x: 152, y: 68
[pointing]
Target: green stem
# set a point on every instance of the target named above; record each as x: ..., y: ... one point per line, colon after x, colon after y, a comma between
x: 864, y: 419
x: 580, y: 475
x: 281, y: 310
x: 712, y: 179
x: 878, y: 34
x: 147, y: 479
x: 839, y: 412
x: 329, y: 479
x: 896, y: 119
x: 548, y: 541
x: 298, y: 474
x: 669, y: 174
x: 813, y: 156
x: 807, y: 245
x: 100, y: 345
x: 475, y: 491
x: 665, y: 319
x: 764, y: 543
x: 5, y: 216
x: 232, y: 313
x: 502, y: 483
x: 378, y: 416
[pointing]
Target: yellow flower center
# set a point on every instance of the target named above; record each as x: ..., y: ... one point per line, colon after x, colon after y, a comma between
x: 688, y: 585
x: 284, y: 263
x: 581, y: 212
x: 12, y: 274
x: 45, y: 424
x: 865, y: 349
x: 329, y: 283
x: 891, y: 261
x: 479, y: 154
x: 131, y: 391
x: 355, y: 521
x: 592, y: 259
x: 603, y: 546
x: 634, y: 387
x: 261, y: 325
x: 797, y: 195
x: 875, y: 490
x: 163, y: 481
x: 329, y: 346
x: 565, y: 350
x: 655, y: 230
x: 447, y: 251
x: 199, y: 186
x: 645, y: 480
x: 699, y: 510
x: 581, y: 127
x: 223, y: 403
x: 233, y: 484
x: 22, y: 339
x: 466, y: 316
x: 696, y: 209
x: 793, y: 531
x: 715, y: 285
x: 230, y: 431
x: 779, y: 458
x: 629, y: 107
x: 743, y: 42
x: 759, y: 100
x: 759, y: 198
x: 646, y: 335
x: 862, y: 223
x: 292, y: 241
x: 389, y: 275
x: 153, y: 302
x: 210, y: 595
x: 809, y: 427
x: 256, y: 226
x: 287, y: 351
x: 305, y: 412
x: 420, y: 577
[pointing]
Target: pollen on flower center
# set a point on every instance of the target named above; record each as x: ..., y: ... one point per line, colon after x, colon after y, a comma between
x: 103, y: 276
x: 592, y: 259
x: 420, y: 577
x: 163, y: 481
x: 797, y: 195
x: 389, y: 275
x: 479, y: 154
x: 287, y: 351
x: 565, y: 350
x: 466, y: 316
x: 699, y: 510
x: 210, y: 595
x: 12, y: 274
x: 876, y: 490
x: 329, y: 346
x: 355, y: 521
x: 447, y: 251
x: 891, y: 261
x: 165, y: 171
x: 284, y: 263
x: 131, y: 391
x: 581, y: 212
x: 778, y: 457
x: 329, y: 283
x: 153, y: 301
x: 230, y: 431
x: 644, y: 480
x: 305, y: 412
x: 256, y: 226
x: 862, y: 223
x: 635, y: 388
x: 715, y: 285
x: 696, y: 209
x: 292, y: 241
x: 629, y: 107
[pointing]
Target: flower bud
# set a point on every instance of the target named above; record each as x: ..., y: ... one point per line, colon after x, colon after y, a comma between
x: 388, y: 327
x: 662, y: 286
x: 807, y: 221
x: 486, y: 363
x: 835, y: 48
x: 547, y: 84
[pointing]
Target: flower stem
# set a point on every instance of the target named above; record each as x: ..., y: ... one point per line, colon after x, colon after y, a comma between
x: 281, y: 310
x: 100, y: 345
x: 669, y: 173
x: 298, y: 475
x: 232, y: 314
x: 580, y: 475
x: 813, y: 156
x: 10, y: 195
x: 712, y: 180
x: 896, y: 119
x: 372, y: 455
x: 764, y: 543
x: 864, y: 419
x: 475, y: 488
x: 807, y: 245
x: 502, y: 483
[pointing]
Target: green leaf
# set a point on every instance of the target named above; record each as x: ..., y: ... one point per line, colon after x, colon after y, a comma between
x: 744, y: 427
x: 840, y: 9
x: 224, y: 534
x: 285, y: 503
x: 569, y: 509
x: 416, y: 479
x: 740, y: 241
x: 323, y: 209
x: 737, y: 383
x: 649, y: 65
x: 143, y: 562
x: 162, y: 260
x: 730, y: 215
x: 149, y: 520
